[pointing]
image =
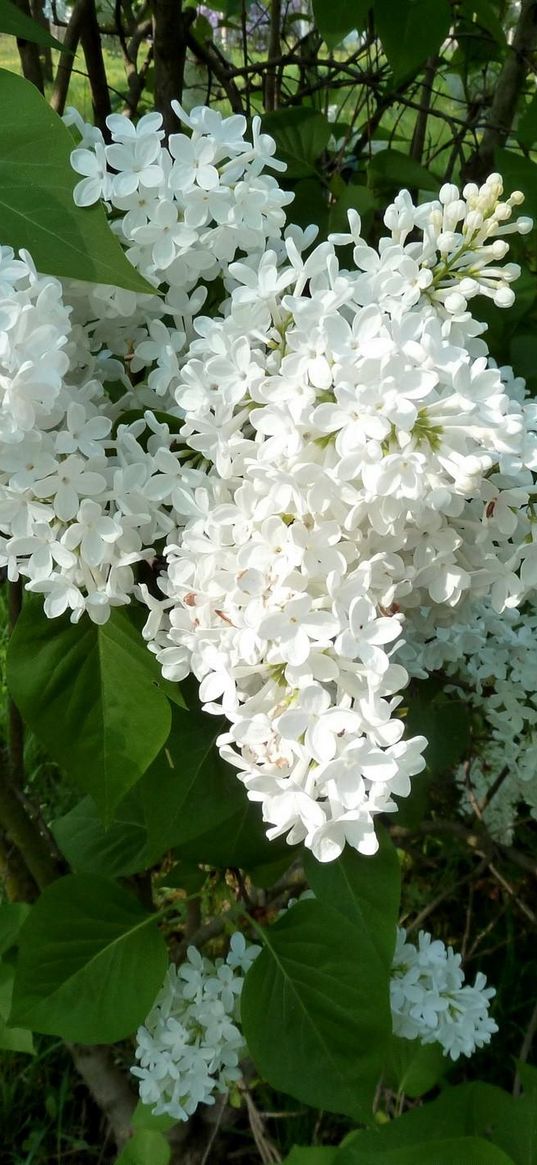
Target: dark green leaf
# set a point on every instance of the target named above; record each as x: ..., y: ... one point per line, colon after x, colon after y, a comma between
x: 12, y: 916
x: 194, y: 802
x: 366, y: 890
x: 389, y: 170
x: 336, y: 18
x: 316, y: 1155
x: 485, y: 16
x: 301, y: 134
x: 91, y: 849
x: 468, y: 1112
x: 526, y: 130
x: 518, y: 173
x: 451, y: 1151
x: 91, y: 961
x: 315, y: 1010
x: 89, y: 694
x: 411, y: 32
x: 12, y: 1039
x: 16, y: 23
x: 36, y: 195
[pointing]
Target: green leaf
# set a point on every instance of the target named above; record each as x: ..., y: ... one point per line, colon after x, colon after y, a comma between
x: 389, y: 170
x: 528, y: 1076
x: 413, y: 1068
x: 468, y: 1112
x: 316, y: 1155
x: 189, y: 789
x: 12, y: 916
x: 411, y: 32
x: 526, y: 130
x: 485, y: 16
x: 143, y: 1118
x: 366, y: 890
x: 315, y: 1010
x: 12, y: 1039
x: 335, y: 18
x: 91, y: 961
x: 89, y: 694
x: 194, y: 802
x: 444, y: 719
x: 301, y: 134
x: 17, y: 23
x: 146, y: 1147
x: 90, y: 848
x: 36, y: 195
x: 452, y: 1151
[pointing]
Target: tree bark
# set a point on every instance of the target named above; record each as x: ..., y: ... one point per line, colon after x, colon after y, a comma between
x: 170, y: 29
x: 93, y: 55
x: 67, y: 57
x: 45, y: 54
x: 506, y: 94
x: 29, y: 53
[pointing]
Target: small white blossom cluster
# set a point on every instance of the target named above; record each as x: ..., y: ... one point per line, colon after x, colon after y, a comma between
x: 191, y: 1042
x: 76, y: 511
x: 183, y: 211
x: 431, y: 1002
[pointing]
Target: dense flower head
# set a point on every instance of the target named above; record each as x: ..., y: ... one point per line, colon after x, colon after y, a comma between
x: 431, y: 1002
x: 339, y: 460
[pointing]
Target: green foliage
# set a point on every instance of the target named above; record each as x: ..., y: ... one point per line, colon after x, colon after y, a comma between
x: 319, y: 983
x: 463, y: 1150
x: 318, y: 1155
x: 36, y: 195
x: 301, y: 134
x: 18, y: 24
x: 365, y: 890
x: 91, y: 961
x: 92, y: 698
x: 411, y: 32
x: 12, y: 1039
x: 478, y: 1123
x: 412, y: 1068
x: 119, y: 850
x: 389, y: 170
x: 145, y: 1148
x: 335, y: 20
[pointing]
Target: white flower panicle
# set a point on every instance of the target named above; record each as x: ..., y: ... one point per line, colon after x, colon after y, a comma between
x: 339, y: 454
x: 355, y: 436
x: 431, y: 1002
x: 190, y: 1045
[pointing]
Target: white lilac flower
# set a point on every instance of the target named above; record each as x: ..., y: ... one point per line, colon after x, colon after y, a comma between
x: 191, y: 1043
x: 431, y: 1002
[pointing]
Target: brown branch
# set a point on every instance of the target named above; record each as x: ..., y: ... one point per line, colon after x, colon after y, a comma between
x: 67, y: 57
x: 90, y: 37
x: 170, y: 32
x: 271, y: 81
x: 507, y: 91
x: 29, y: 53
